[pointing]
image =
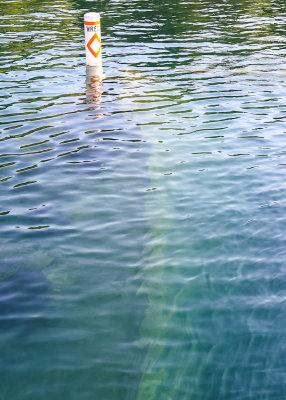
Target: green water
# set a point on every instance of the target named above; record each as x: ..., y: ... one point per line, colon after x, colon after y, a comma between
x: 142, y: 232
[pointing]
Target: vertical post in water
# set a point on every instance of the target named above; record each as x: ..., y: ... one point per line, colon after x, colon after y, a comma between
x: 93, y: 43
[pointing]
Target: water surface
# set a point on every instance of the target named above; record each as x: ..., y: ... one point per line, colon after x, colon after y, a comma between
x: 142, y: 230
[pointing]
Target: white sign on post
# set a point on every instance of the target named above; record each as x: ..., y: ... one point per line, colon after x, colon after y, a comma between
x: 93, y: 41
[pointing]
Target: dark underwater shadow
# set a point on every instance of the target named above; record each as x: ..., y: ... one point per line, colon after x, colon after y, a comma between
x: 23, y: 300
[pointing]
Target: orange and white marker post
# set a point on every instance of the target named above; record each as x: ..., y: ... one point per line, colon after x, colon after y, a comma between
x: 93, y: 42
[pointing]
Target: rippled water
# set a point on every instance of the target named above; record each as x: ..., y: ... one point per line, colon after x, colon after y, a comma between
x: 142, y: 228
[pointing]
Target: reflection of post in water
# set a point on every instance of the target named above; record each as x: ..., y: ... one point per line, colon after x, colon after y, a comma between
x: 93, y: 85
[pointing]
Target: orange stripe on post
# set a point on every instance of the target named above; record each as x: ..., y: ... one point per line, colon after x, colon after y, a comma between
x: 91, y: 23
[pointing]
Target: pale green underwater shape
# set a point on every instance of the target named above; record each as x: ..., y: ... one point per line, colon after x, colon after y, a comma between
x: 158, y: 208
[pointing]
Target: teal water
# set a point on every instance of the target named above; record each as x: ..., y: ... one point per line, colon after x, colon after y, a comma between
x: 142, y: 231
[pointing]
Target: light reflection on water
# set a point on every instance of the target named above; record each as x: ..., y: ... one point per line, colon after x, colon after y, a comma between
x: 142, y: 220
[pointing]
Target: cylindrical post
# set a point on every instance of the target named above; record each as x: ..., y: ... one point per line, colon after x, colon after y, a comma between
x: 93, y: 42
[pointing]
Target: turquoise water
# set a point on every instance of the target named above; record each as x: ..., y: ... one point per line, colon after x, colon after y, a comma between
x: 142, y: 230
